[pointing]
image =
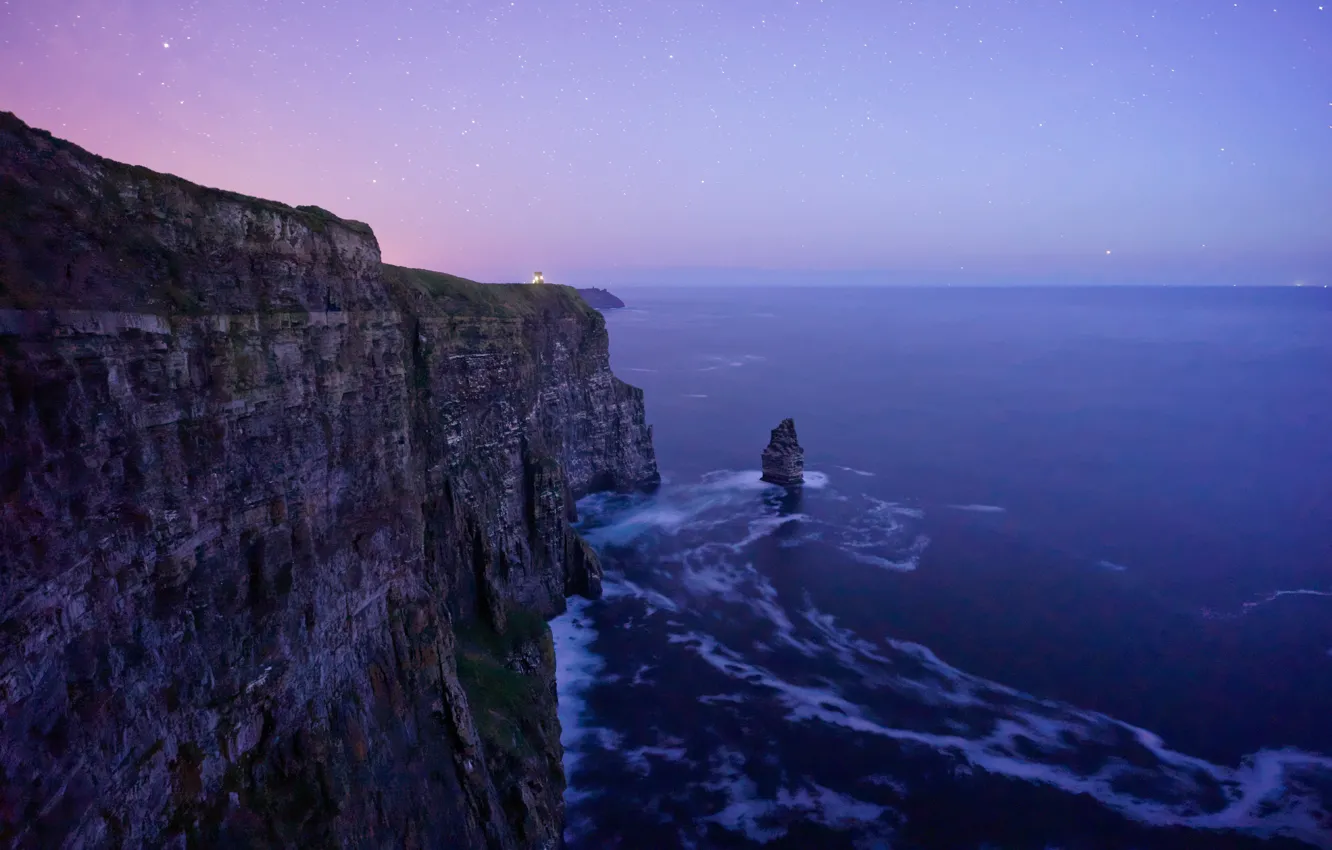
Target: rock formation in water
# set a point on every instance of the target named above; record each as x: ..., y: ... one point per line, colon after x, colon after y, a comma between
x: 600, y: 298
x: 280, y: 525
x: 783, y: 459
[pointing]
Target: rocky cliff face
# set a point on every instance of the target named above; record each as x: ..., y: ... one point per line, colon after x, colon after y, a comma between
x: 279, y: 525
x: 784, y: 459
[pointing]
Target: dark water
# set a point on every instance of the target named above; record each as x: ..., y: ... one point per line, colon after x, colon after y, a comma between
x: 1061, y: 576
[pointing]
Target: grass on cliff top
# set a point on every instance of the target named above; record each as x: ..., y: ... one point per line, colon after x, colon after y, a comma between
x: 460, y: 295
x: 316, y: 218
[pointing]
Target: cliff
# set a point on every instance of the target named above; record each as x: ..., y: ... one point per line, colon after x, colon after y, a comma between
x: 601, y: 299
x: 279, y: 524
x: 784, y: 459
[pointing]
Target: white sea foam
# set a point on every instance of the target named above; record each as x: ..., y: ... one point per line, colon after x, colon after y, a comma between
x: 695, y: 395
x: 980, y: 509
x: 801, y: 539
x: 1270, y: 793
x: 576, y: 669
x: 906, y: 562
x: 1111, y: 565
x: 845, y: 645
x: 856, y: 471
x: 1249, y: 607
x: 882, y: 781
x: 652, y: 516
x: 735, y: 581
x: 768, y: 606
x: 640, y: 677
x: 982, y: 725
x: 752, y: 479
x: 734, y: 480
x: 667, y: 749
x: 765, y: 819
x: 724, y: 570
x: 764, y: 526
x: 826, y: 806
x: 715, y: 576
x: 719, y: 361
x: 744, y: 808
x: 1279, y: 594
x: 879, y: 536
x: 639, y: 369
x: 617, y: 586
x: 720, y: 570
x: 712, y: 502
x: 815, y: 480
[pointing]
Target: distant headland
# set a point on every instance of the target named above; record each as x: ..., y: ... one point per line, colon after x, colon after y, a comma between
x: 600, y: 298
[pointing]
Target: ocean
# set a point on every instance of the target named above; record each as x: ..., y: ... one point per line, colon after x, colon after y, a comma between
x: 1060, y: 575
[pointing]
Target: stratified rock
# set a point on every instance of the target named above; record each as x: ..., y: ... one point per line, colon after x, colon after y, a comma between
x: 279, y: 524
x: 600, y: 299
x: 783, y: 459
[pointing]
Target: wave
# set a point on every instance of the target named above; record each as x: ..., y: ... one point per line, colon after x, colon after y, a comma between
x: 1020, y: 736
x: 720, y: 569
x: 715, y: 500
x: 1279, y: 594
x: 906, y: 563
x: 668, y: 749
x: 980, y: 509
x: 1266, y: 599
x: 619, y: 587
x: 857, y: 471
x: 697, y: 544
x: 577, y: 668
x: 875, y: 537
x: 763, y: 819
x: 752, y: 480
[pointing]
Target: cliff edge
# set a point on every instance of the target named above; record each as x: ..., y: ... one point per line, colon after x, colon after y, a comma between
x: 280, y: 525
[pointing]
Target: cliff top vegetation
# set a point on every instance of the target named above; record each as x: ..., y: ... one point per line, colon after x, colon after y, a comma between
x: 458, y: 294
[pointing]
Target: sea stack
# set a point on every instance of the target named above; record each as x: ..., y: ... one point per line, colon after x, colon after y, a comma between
x: 783, y: 459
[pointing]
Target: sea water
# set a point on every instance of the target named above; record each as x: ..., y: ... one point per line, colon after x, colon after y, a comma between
x: 1060, y: 576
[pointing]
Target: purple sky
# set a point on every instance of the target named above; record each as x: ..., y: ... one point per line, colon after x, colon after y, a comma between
x: 604, y: 141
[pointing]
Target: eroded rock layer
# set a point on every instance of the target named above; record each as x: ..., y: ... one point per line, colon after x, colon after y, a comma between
x: 279, y: 525
x: 784, y: 459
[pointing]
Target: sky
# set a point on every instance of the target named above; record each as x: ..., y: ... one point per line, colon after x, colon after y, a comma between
x: 1099, y: 141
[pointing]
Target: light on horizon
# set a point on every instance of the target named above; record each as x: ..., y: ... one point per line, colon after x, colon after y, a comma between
x: 812, y: 198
